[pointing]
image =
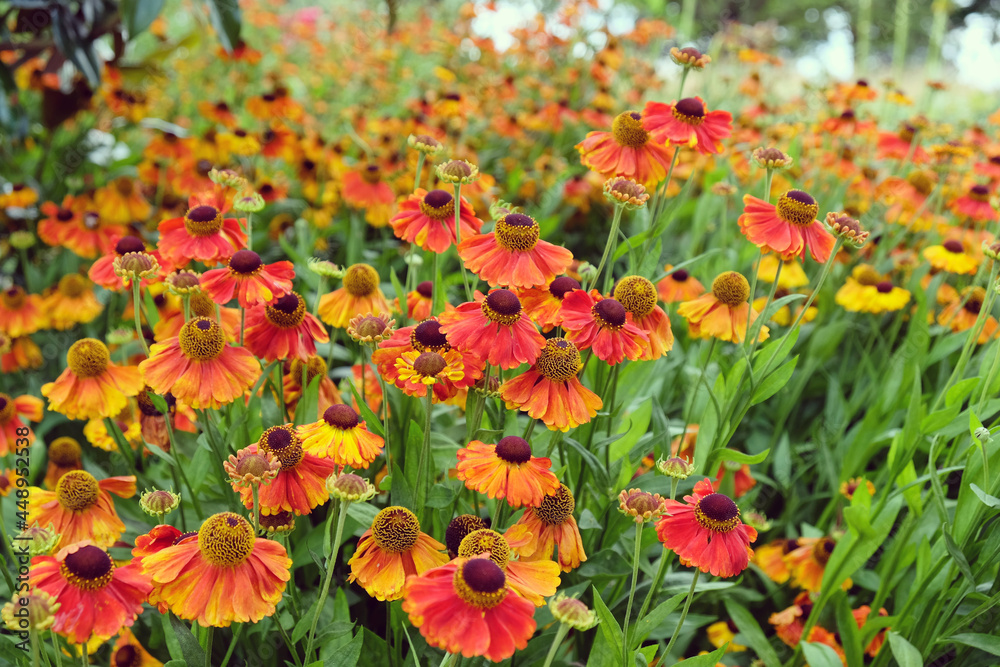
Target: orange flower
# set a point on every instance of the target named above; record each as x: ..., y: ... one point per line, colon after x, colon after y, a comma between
x: 91, y: 387
x: 425, y: 337
x: 129, y: 652
x: 861, y: 617
x: 22, y: 354
x: 543, y: 304
x: 121, y: 203
x: 366, y: 190
x: 467, y: 607
x: 495, y: 329
x: 688, y: 122
x: 551, y: 391
x: 678, y: 286
x: 80, y: 507
x: 97, y: 598
x: 21, y: 313
x: 513, y: 255
x: 14, y: 415
x: 392, y: 550
x: 790, y: 622
x: 199, y: 367
x: 341, y: 436
x: 419, y: 303
x: 951, y: 256
x: 628, y: 150
x: 507, y: 470
x: 975, y: 205
x: 706, y: 532
x: 807, y: 562
x: 428, y: 220
x: 200, y: 305
x: 787, y: 228
x: 722, y: 312
x: 64, y: 454
x: 102, y: 272
x: 638, y: 296
x: 300, y: 485
x: 533, y: 580
x: 552, y: 525
x: 360, y: 295
x: 227, y: 574
x: 203, y: 234
x: 602, y: 323
x: 292, y: 383
x: 771, y: 559
x: 72, y: 302
x: 73, y: 226
x: 283, y: 330
x: 962, y: 313
x: 253, y: 282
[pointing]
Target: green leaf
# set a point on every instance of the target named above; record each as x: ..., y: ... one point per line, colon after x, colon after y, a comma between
x: 710, y: 659
x: 958, y: 556
x: 990, y: 501
x: 595, y: 464
x: 938, y: 420
x: 774, y: 381
x: 192, y: 651
x: 138, y: 14
x: 349, y: 655
x: 225, y: 15
x: 906, y: 654
x: 820, y: 655
x: 654, y: 618
x: 402, y: 491
x: 747, y: 626
x: 775, y: 353
x: 398, y: 288
x: 175, y: 663
x: 371, y: 420
x: 960, y: 391
x: 609, y: 624
x: 850, y: 633
x: 726, y: 454
x: 307, y: 409
x: 988, y: 643
x: 441, y: 496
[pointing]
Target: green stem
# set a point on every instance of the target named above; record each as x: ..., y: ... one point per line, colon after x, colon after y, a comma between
x: 754, y: 339
x: 208, y: 646
x: 458, y: 239
x: 243, y: 317
x: 421, y: 156
x: 661, y: 571
x: 232, y: 644
x: 341, y: 516
x: 84, y: 657
x: 425, y: 449
x: 753, y: 293
x: 529, y: 429
x: 607, y: 246
x: 135, y: 313
x: 687, y: 70
x: 186, y: 303
x: 123, y: 445
x: 684, y: 613
x: 989, y: 378
x: 249, y: 230
x: 556, y: 642
x: 288, y: 643
x: 319, y: 292
x: 436, y: 305
x: 256, y: 508
x: 631, y: 594
x: 33, y: 647
x: 55, y: 645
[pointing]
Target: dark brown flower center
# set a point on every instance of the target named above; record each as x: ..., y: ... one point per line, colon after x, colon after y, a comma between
x: 504, y: 303
x: 425, y: 289
x: 953, y: 246
x: 884, y: 287
x: 127, y: 656
x: 64, y: 215
x: 610, y: 313
x: 89, y: 562
x: 427, y: 336
x: 483, y: 575
x: 517, y: 232
x: 341, y: 416
x: 128, y: 244
x: 718, y: 507
x: 460, y: 526
x: 690, y: 107
x: 245, y: 262
x: 287, y: 311
x: 513, y: 449
x: 203, y: 221
x: 680, y: 275
x: 561, y: 286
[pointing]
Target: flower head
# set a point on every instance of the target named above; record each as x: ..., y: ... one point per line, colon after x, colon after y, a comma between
x: 424, y: 143
x: 32, y: 611
x: 689, y: 57
x: 787, y: 228
x: 625, y: 192
x: 339, y: 434
x: 159, y: 502
x: 457, y: 172
x: 848, y: 229
x: 134, y: 266
x: 37, y: 540
x: 251, y: 467
x: 91, y: 387
x: 350, y: 487
x: 507, y: 470
x: 370, y: 328
x: 642, y: 506
x: 572, y: 612
x: 80, y: 507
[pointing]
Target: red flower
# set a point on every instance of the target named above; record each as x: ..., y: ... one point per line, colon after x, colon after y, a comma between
x: 707, y: 532
x: 628, y: 150
x: 513, y: 255
x: 543, y: 304
x: 507, y: 470
x: 593, y: 321
x: 253, y: 282
x: 202, y: 234
x: 688, y: 122
x: 494, y: 328
x: 787, y: 228
x: 975, y: 205
x: 428, y: 219
x: 284, y: 330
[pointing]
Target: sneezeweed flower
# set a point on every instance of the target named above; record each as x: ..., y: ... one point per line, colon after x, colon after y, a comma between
x: 513, y: 254
x: 37, y: 540
x: 592, y: 321
x: 507, y: 470
x: 227, y: 178
x: 975, y: 205
x: 861, y: 617
x: 427, y: 219
x: 96, y: 597
x: 128, y: 652
x: 771, y: 158
x: 625, y: 192
x: 91, y: 387
x: 460, y: 527
x: 675, y: 467
x: 688, y: 122
x: 309, y: 370
x: 723, y: 632
x: 551, y: 391
x: 159, y: 502
x: 792, y: 275
x: 72, y: 302
x: 770, y: 558
x: 360, y: 294
x: 552, y: 525
x: 365, y: 189
x: 21, y: 313
x: 300, y: 483
x: 543, y: 304
x: 227, y: 574
x: 788, y: 228
x: 279, y: 522
x: 457, y: 172
x: 392, y: 550
x: 424, y: 143
x: 807, y: 563
x: 341, y: 436
x: 679, y: 285
x: 203, y: 234
x: 419, y: 302
x: 324, y: 268
x: 790, y: 622
x: 689, y: 57
x: 848, y: 229
x: 951, y: 256
x: 351, y: 488
x: 251, y: 467
x: 882, y: 297
x: 642, y: 506
x: 64, y: 454
x: 638, y: 296
x: 81, y: 508
x: 199, y: 367
x: 283, y: 330
x: 962, y: 313
x: 722, y: 312
x: 41, y: 614
x: 495, y: 328
x: 705, y: 532
x: 757, y: 521
x: 135, y: 266
x: 97, y: 433
x: 467, y: 607
x: 416, y: 371
x: 628, y: 150
x: 848, y: 488
x: 15, y: 413
x: 370, y: 329
x: 534, y: 580
x: 249, y: 202
x: 184, y: 283
x: 246, y: 277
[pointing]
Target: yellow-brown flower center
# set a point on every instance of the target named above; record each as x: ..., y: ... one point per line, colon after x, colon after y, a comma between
x: 822, y: 549
x: 429, y: 364
x: 516, y: 231
x: 554, y: 510
x: 427, y: 337
x: 481, y: 583
x: 502, y: 306
x: 627, y: 130
x: 438, y: 205
x: 559, y: 360
x: 609, y: 314
x: 731, y: 288
x: 77, y: 490
x: 226, y: 539
x: 395, y: 529
x: 287, y: 312
x: 689, y: 111
x: 797, y: 208
x: 202, y: 339
x: 89, y: 568
x: 717, y: 512
x: 868, y: 276
x: 459, y: 527
x: 203, y: 221
x: 202, y: 305
x: 922, y: 181
x: 637, y: 295
x: 974, y: 299
x: 361, y: 280
x: 481, y: 541
x: 14, y: 297
x: 315, y: 366
x: 979, y: 193
x: 282, y: 442
x: 371, y: 174
x: 88, y: 358
x: 72, y: 285
x: 65, y: 452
